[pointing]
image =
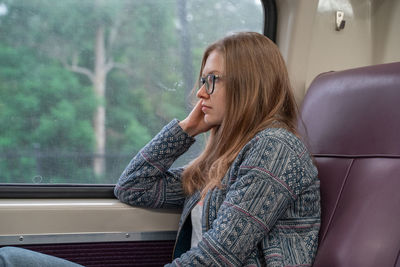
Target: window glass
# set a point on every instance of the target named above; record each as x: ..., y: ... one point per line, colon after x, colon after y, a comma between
x: 84, y: 84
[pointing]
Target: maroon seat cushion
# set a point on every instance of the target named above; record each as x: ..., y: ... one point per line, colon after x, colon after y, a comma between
x: 351, y: 122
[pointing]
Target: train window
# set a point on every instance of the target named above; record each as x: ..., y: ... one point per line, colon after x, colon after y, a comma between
x: 84, y: 84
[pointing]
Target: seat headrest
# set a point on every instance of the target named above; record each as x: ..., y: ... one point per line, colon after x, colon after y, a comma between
x: 354, y: 112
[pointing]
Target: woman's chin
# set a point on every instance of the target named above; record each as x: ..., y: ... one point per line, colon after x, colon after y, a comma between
x: 208, y: 119
x: 211, y: 121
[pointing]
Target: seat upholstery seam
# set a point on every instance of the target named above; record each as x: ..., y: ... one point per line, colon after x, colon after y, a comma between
x: 337, y: 200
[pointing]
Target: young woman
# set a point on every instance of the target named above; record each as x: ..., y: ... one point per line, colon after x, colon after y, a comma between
x: 252, y: 197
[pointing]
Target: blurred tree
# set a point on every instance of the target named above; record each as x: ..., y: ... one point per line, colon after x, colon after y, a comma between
x: 92, y: 38
x: 84, y: 77
x: 185, y: 49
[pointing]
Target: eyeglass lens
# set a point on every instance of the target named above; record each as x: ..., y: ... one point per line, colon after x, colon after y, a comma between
x: 208, y: 80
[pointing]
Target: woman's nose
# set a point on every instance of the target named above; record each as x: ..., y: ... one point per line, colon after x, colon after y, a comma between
x: 201, y: 93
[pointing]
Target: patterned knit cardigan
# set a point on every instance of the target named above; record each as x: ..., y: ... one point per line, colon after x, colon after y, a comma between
x: 267, y: 212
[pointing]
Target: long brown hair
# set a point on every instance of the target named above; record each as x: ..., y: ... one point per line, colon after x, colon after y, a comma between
x: 258, y: 94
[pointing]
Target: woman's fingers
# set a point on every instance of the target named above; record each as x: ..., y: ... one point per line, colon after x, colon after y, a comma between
x: 194, y: 122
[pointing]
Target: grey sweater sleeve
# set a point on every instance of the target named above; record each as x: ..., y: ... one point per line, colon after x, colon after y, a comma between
x: 148, y: 180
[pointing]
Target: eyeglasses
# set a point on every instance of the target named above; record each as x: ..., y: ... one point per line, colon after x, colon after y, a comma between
x: 209, y: 81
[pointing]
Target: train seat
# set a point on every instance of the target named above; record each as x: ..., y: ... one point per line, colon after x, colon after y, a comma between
x: 351, y: 122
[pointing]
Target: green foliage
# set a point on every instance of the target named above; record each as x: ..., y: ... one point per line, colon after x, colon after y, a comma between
x: 46, y: 110
x: 41, y: 106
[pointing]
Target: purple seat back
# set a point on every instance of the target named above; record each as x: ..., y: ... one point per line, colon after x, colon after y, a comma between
x: 351, y: 122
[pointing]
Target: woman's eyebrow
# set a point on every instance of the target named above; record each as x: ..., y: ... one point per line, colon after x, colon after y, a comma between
x: 210, y: 72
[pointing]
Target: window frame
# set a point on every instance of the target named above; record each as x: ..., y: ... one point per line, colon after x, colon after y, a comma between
x: 57, y: 191
x: 270, y: 19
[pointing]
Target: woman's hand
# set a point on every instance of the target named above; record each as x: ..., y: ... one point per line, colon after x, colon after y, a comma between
x: 194, y: 122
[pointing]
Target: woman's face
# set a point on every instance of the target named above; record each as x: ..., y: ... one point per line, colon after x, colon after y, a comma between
x: 213, y: 106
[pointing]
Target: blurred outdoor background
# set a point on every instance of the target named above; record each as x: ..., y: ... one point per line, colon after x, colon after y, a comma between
x: 85, y: 84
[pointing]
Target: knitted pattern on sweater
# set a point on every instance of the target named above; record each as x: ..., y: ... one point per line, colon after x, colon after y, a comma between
x: 267, y: 212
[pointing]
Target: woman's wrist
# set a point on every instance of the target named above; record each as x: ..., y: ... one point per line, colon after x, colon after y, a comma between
x: 187, y: 129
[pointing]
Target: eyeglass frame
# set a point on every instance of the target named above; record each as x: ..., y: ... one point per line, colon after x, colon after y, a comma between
x: 204, y: 81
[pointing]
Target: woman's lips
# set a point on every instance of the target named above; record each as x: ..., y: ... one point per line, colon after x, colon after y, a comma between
x: 204, y: 108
